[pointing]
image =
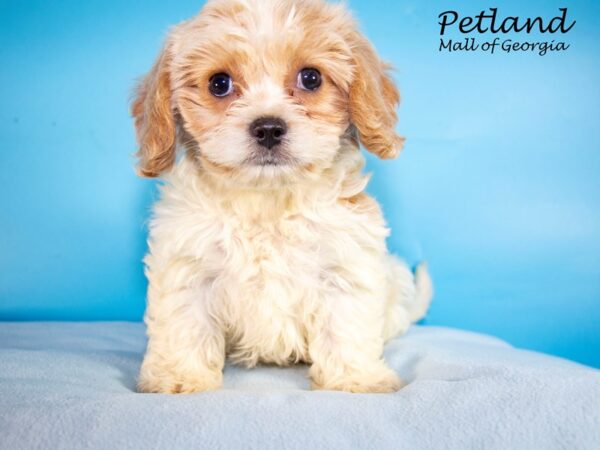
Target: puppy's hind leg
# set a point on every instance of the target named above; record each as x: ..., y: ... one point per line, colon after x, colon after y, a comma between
x: 408, y: 297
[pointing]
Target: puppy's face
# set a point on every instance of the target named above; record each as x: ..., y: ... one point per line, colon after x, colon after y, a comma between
x: 262, y: 91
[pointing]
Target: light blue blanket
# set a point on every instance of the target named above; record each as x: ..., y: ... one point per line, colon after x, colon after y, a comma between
x: 71, y: 385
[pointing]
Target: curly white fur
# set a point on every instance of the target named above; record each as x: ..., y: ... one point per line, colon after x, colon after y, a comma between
x: 278, y: 277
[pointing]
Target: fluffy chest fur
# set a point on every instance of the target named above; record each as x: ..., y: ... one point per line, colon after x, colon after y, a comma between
x: 268, y: 280
x: 260, y: 261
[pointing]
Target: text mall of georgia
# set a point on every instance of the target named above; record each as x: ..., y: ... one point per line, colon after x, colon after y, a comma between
x: 489, y: 22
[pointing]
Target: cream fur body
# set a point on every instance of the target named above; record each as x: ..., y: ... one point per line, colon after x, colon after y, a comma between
x: 280, y: 278
x: 278, y: 255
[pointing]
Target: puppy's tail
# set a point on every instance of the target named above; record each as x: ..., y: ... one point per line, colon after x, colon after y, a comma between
x: 423, y: 293
x: 409, y: 296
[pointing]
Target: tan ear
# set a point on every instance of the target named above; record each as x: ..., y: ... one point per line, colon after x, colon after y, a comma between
x: 373, y: 101
x: 154, y: 118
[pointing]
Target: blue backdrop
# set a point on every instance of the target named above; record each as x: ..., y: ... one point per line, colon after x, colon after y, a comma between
x: 498, y: 187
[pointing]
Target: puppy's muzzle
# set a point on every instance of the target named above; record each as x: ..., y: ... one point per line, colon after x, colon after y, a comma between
x: 268, y: 131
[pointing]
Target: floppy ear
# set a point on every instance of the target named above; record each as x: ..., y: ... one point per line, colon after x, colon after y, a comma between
x: 154, y: 118
x: 373, y: 101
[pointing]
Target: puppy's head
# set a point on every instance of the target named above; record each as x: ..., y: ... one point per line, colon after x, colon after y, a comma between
x: 265, y: 90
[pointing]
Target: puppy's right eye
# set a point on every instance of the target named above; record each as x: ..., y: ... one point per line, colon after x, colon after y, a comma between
x: 220, y: 85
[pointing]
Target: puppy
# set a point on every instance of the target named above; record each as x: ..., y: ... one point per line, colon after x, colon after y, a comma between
x: 264, y: 247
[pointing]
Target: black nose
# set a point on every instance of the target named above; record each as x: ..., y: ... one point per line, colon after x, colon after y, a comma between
x: 268, y: 131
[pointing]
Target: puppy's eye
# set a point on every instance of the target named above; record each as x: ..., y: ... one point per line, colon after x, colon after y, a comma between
x: 220, y: 85
x: 309, y: 79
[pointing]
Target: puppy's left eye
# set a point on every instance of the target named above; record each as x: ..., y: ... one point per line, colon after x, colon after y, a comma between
x: 309, y: 79
x: 220, y: 85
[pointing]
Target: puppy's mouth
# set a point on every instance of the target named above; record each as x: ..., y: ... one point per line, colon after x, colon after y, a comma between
x: 272, y: 158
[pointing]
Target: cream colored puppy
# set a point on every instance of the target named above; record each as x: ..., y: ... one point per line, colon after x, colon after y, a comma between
x: 264, y: 246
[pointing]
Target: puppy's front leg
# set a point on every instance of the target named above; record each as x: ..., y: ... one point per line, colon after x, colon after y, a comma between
x: 346, y: 342
x: 186, y: 349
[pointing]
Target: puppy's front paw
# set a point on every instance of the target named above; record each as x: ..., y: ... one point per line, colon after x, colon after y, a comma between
x: 375, y: 382
x: 167, y: 383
